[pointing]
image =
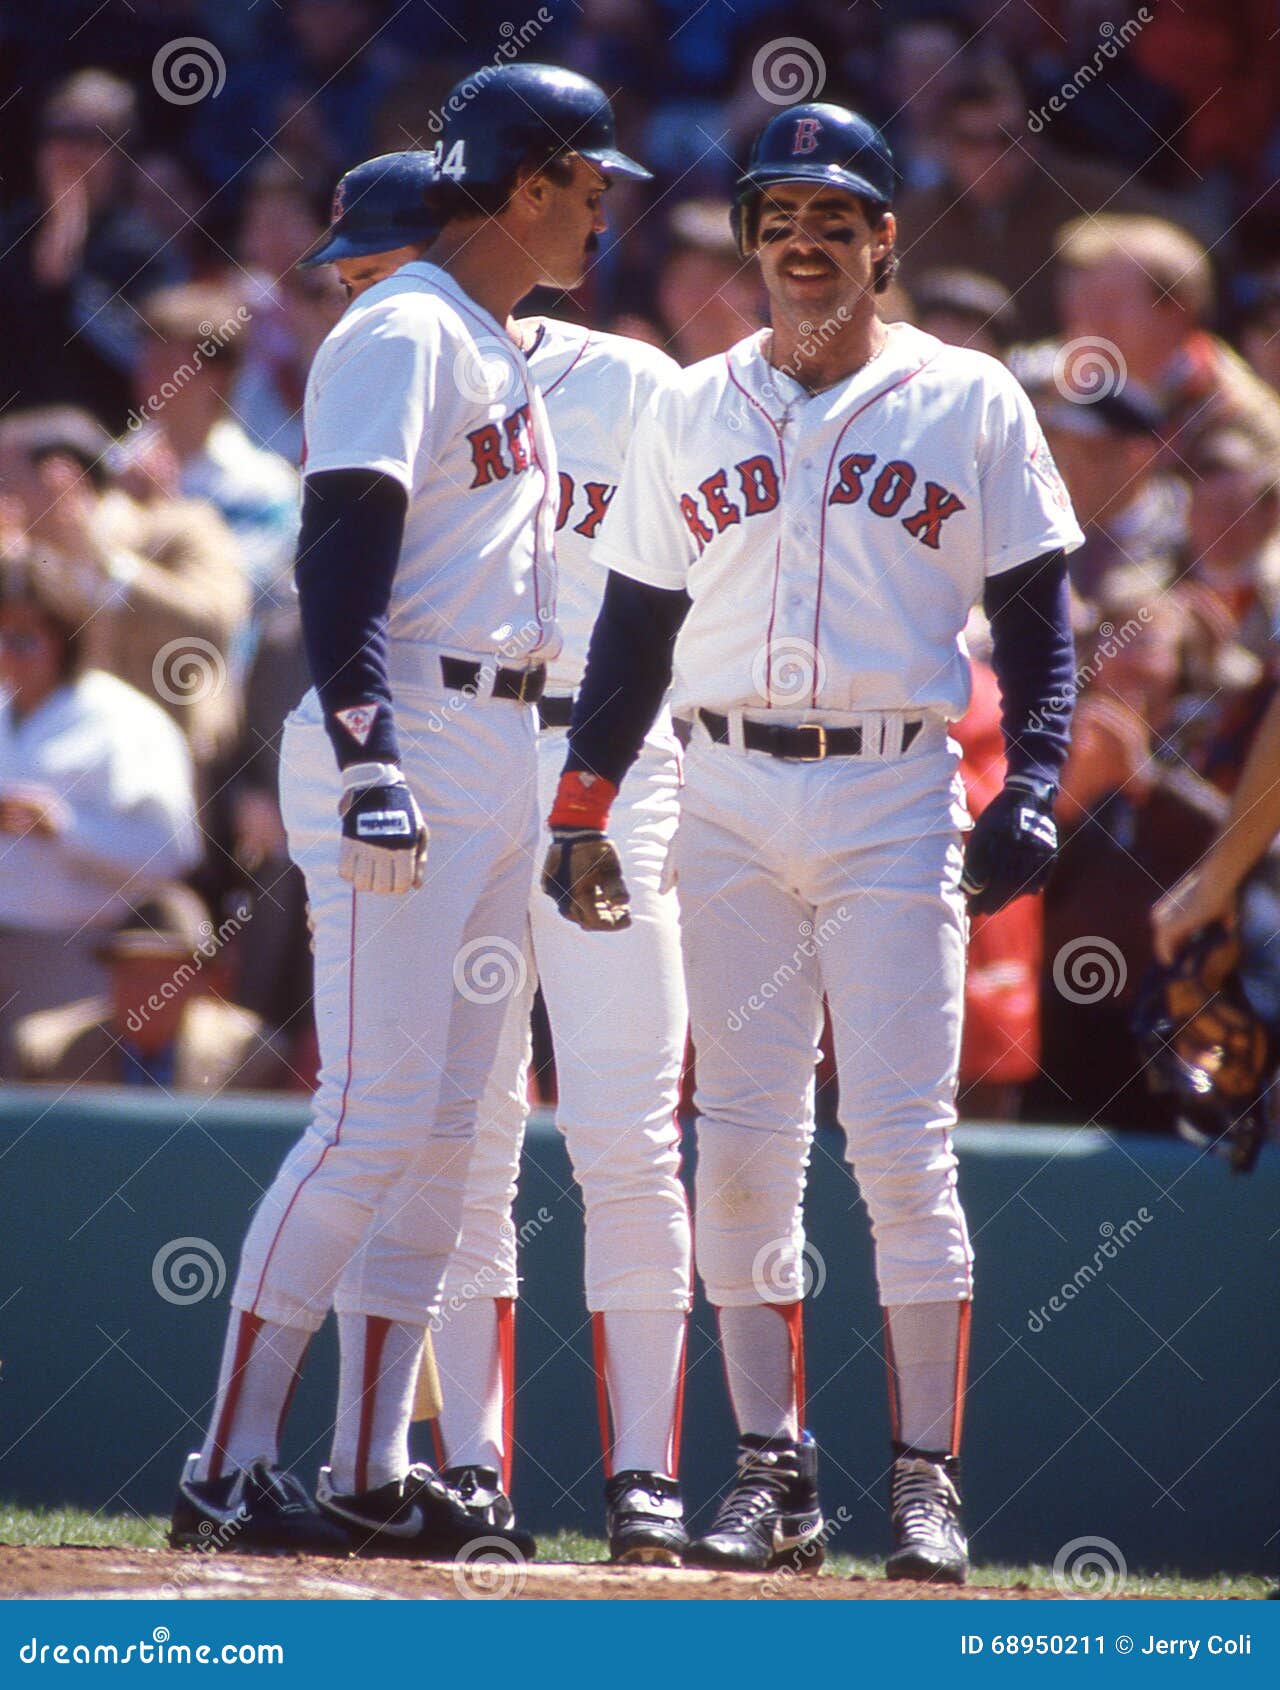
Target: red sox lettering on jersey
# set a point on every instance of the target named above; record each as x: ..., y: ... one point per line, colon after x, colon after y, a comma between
x: 757, y: 479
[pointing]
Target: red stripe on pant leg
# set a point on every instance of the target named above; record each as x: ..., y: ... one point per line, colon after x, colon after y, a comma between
x: 793, y: 1315
x: 250, y: 1326
x: 677, y: 1415
x: 962, y: 1375
x: 891, y: 1368
x: 342, y: 1110
x: 505, y: 1313
x: 375, y: 1338
x: 602, y: 1391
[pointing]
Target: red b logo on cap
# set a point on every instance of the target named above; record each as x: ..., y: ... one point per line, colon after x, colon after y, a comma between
x: 805, y: 139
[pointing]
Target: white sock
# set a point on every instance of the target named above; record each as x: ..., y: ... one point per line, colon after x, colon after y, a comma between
x: 470, y: 1367
x: 643, y: 1358
x: 376, y: 1380
x: 757, y: 1362
x: 926, y: 1366
x: 260, y: 1361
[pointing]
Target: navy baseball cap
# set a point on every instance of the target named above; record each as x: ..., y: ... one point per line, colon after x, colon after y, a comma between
x: 379, y: 205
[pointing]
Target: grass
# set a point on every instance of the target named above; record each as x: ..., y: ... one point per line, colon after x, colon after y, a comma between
x: 48, y: 1527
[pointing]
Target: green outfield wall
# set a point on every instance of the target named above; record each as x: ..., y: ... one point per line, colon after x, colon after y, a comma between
x: 1126, y: 1345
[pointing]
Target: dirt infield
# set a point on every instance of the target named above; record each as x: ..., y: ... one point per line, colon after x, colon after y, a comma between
x: 159, y: 1574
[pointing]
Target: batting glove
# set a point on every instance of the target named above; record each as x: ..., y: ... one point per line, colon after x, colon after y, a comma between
x: 384, y: 838
x: 1012, y: 846
x: 582, y: 871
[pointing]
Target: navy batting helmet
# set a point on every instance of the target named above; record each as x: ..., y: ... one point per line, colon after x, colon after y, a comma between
x: 379, y: 205
x: 816, y: 143
x: 497, y: 119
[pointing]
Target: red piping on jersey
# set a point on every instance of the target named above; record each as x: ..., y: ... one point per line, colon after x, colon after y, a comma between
x: 777, y: 551
x: 822, y: 524
x: 342, y: 1110
x: 526, y: 380
x: 565, y: 374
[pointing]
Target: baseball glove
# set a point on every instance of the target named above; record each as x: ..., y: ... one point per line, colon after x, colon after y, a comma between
x: 1206, y: 1048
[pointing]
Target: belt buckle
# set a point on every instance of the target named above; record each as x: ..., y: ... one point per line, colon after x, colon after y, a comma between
x: 818, y: 728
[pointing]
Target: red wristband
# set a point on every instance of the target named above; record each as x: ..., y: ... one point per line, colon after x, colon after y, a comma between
x: 582, y: 800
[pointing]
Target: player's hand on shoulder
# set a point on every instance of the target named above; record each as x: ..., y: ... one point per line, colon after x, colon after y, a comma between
x: 384, y: 838
x: 1012, y: 846
x: 583, y: 873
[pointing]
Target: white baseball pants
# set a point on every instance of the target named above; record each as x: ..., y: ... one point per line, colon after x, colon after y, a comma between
x: 841, y: 876
x: 366, y: 1208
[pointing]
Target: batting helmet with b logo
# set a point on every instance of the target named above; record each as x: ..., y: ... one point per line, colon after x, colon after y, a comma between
x: 816, y: 143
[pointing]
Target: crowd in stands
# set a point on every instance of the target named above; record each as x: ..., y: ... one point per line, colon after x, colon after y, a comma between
x: 1088, y: 196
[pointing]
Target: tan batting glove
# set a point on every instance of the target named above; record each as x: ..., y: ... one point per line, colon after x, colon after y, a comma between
x: 384, y: 838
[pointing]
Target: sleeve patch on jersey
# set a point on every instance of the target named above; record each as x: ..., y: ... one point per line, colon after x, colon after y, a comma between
x: 358, y: 721
x: 1047, y: 471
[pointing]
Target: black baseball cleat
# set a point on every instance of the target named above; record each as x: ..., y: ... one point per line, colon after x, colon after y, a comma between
x: 479, y: 1489
x: 644, y: 1518
x: 256, y: 1510
x: 771, y: 1518
x: 417, y: 1516
x: 924, y: 1507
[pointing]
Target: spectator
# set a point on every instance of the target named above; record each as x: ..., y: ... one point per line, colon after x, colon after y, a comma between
x: 75, y: 261
x: 291, y: 311
x: 160, y: 1022
x: 965, y: 308
x: 96, y: 803
x: 184, y: 377
x: 143, y: 583
x: 1134, y: 518
x: 1146, y: 287
x: 708, y: 297
x: 1004, y: 196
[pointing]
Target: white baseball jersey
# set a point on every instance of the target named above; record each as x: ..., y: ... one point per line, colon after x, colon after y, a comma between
x: 595, y: 386
x: 418, y: 382
x: 833, y: 543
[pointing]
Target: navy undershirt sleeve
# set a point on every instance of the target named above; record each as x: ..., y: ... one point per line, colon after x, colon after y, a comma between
x: 628, y: 672
x: 348, y: 549
x: 1033, y: 655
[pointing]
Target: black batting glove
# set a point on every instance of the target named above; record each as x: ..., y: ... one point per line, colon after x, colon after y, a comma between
x: 384, y: 838
x: 1012, y: 846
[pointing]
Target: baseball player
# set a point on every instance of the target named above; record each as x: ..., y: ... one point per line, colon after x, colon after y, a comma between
x: 427, y: 588
x: 802, y: 527
x: 617, y: 1006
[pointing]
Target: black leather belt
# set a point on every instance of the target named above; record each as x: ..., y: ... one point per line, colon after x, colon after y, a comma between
x: 801, y: 742
x: 522, y: 686
x: 556, y: 711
